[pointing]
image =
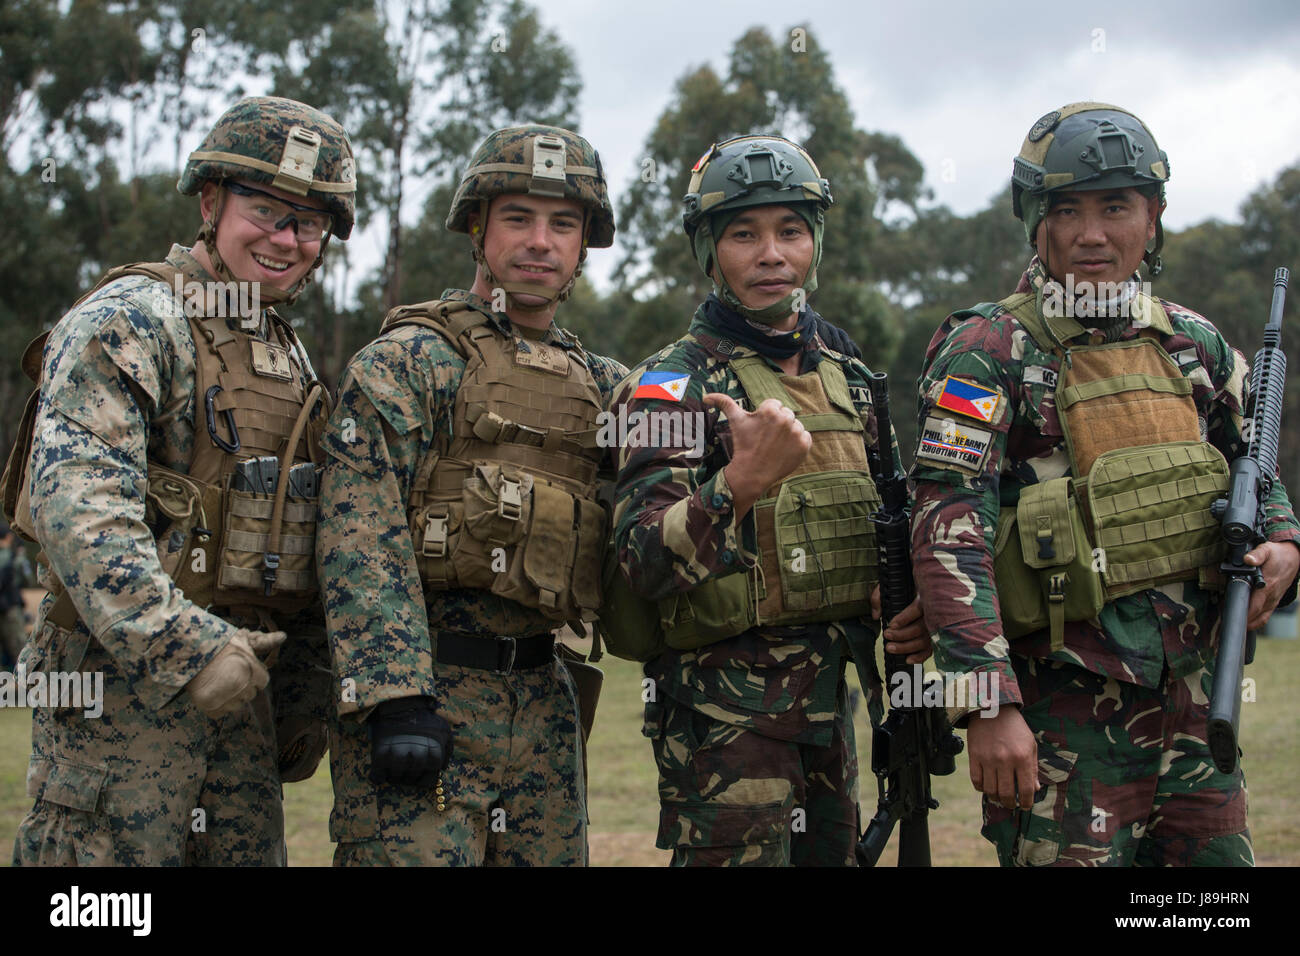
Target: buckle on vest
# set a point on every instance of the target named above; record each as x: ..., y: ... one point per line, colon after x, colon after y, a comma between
x: 510, y: 503
x: 270, y: 565
x: 1056, y: 589
x: 435, y: 536
x: 1045, y: 550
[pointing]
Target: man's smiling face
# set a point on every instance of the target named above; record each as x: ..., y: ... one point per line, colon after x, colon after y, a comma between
x: 533, y: 239
x: 279, y: 259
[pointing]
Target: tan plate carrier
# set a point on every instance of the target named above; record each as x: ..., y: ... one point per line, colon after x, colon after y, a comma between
x: 509, y: 506
x: 223, y: 547
x: 1133, y: 516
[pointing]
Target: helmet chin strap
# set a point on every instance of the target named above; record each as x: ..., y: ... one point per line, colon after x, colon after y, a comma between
x: 478, y: 235
x: 268, y: 295
x: 1155, y: 265
x: 768, y: 315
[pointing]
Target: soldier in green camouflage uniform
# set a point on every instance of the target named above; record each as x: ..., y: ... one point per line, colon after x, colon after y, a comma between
x: 184, y: 764
x: 1092, y: 414
x: 749, y: 721
x: 459, y: 734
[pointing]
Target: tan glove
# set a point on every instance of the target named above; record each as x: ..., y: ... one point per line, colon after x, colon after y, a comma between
x: 233, y: 678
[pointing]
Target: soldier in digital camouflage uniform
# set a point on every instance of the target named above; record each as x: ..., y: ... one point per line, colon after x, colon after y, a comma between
x: 129, y: 468
x: 1082, y: 413
x: 749, y: 721
x: 460, y: 528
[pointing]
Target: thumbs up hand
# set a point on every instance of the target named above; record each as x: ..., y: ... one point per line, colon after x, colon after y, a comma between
x: 768, y: 444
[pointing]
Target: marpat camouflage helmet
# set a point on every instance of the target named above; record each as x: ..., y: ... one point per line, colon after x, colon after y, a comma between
x: 1087, y: 146
x: 753, y: 171
x: 282, y: 143
x: 537, y: 161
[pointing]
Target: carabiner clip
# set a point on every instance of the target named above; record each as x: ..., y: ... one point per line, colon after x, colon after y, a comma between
x: 231, y: 446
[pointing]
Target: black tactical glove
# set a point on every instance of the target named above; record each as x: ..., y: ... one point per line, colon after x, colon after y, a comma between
x: 836, y: 338
x: 409, y: 743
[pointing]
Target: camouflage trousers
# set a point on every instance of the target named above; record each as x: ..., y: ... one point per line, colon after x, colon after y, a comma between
x: 512, y: 795
x: 731, y: 797
x: 142, y: 787
x: 1129, y: 780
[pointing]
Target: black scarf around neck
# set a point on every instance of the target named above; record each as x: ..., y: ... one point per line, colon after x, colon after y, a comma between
x: 781, y: 345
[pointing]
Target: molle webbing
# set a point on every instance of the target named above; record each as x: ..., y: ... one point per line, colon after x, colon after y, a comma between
x: 1145, y: 477
x: 817, y: 549
x: 1151, y: 513
x: 1113, y: 395
x: 263, y: 408
x: 509, y: 505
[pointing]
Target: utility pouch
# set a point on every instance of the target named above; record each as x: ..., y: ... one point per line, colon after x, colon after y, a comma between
x: 246, y: 544
x: 548, y: 553
x: 498, y: 503
x: 1151, y: 510
x: 1043, y: 563
x: 435, y: 534
x: 179, y: 510
x: 818, y: 538
x: 717, y: 609
x: 630, y: 625
x: 589, y: 556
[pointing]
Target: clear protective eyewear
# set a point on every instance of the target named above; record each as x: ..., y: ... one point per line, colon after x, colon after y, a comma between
x: 272, y: 213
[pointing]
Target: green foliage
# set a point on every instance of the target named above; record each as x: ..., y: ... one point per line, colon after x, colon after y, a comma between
x: 102, y: 90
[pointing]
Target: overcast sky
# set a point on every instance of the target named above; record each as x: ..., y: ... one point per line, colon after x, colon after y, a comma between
x: 961, y: 83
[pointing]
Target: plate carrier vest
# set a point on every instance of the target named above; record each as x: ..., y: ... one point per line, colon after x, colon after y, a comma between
x: 1144, y: 507
x: 509, y: 506
x: 223, y: 547
x: 817, y: 555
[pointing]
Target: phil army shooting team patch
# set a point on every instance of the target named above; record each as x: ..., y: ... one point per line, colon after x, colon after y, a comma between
x: 954, y: 444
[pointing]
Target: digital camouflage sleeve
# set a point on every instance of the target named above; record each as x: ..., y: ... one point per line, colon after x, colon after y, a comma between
x: 675, y: 528
x: 957, y: 504
x: 119, y: 374
x: 392, y: 417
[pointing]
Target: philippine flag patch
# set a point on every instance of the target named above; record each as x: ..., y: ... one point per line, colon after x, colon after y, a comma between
x: 967, y: 398
x: 670, y: 386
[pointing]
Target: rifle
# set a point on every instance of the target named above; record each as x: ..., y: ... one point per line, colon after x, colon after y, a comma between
x: 1242, y: 517
x: 914, y: 741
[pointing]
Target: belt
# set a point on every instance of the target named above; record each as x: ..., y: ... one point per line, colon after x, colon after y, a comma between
x: 500, y: 655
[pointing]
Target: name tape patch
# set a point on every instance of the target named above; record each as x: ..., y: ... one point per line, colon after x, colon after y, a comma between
x: 1040, y: 375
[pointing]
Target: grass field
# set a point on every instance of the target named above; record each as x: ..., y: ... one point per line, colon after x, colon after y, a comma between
x: 624, y: 801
